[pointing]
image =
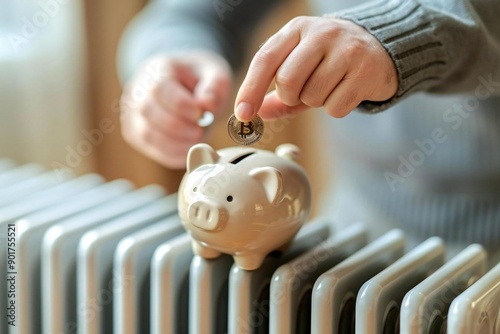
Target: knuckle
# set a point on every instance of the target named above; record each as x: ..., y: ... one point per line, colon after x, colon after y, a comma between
x: 346, y: 104
x: 329, y: 31
x: 316, y: 92
x: 335, y: 112
x: 264, y: 56
x: 287, y: 90
x: 299, y: 21
x: 310, y: 99
x: 354, y: 49
x: 285, y: 82
x: 350, y: 99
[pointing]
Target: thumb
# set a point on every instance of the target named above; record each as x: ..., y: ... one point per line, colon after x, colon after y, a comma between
x: 273, y: 108
x: 213, y: 89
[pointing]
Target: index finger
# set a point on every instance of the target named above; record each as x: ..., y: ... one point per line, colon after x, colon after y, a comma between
x: 261, y: 72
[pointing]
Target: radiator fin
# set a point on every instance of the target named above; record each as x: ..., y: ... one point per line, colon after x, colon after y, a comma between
x: 97, y: 257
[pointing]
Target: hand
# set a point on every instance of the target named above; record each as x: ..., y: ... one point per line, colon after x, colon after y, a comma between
x: 316, y: 62
x: 166, y: 98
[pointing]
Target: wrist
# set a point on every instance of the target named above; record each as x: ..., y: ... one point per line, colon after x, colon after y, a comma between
x: 405, y: 31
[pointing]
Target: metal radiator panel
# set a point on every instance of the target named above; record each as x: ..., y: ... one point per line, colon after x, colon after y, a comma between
x: 335, y: 291
x: 95, y: 257
x: 170, y: 286
x: 28, y: 260
x: 95, y: 263
x: 292, y: 283
x: 9, y: 175
x: 379, y: 299
x: 208, y: 289
x: 19, y: 190
x: 59, y: 250
x: 49, y: 197
x: 477, y: 309
x: 425, y: 307
x: 249, y: 290
x: 30, y: 232
x: 132, y: 267
x: 14, y: 175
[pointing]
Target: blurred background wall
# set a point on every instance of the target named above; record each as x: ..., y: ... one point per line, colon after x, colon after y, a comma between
x: 59, y: 91
x: 43, y: 101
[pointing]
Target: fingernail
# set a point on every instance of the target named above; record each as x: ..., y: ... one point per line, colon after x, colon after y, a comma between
x: 244, y: 112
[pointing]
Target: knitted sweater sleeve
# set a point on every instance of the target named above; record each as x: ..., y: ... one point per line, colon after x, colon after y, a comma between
x: 170, y: 26
x: 438, y: 46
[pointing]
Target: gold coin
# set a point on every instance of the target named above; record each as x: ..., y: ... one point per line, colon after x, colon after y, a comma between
x: 245, y: 133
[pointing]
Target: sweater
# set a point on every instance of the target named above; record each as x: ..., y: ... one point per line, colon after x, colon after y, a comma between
x: 426, y: 160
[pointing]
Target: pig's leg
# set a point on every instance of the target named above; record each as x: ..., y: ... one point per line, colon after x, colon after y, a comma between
x: 204, y: 252
x: 249, y: 262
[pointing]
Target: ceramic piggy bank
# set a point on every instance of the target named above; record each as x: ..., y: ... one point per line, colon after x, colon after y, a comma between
x: 243, y: 201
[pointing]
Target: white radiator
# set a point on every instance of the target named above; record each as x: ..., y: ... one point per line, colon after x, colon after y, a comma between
x: 84, y: 256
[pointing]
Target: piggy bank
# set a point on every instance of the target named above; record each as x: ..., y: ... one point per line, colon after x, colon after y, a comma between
x: 243, y: 201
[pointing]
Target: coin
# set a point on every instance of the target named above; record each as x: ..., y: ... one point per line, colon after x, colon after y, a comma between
x: 206, y: 119
x: 245, y: 133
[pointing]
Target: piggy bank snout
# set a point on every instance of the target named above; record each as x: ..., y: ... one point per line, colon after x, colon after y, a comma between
x: 206, y: 215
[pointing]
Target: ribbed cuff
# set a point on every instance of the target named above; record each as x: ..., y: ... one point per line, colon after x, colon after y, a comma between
x: 406, y: 31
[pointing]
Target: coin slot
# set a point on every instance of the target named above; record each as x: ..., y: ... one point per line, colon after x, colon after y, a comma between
x: 235, y: 161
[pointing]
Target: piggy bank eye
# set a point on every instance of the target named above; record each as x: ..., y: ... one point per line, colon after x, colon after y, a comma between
x: 229, y: 198
x: 195, y: 189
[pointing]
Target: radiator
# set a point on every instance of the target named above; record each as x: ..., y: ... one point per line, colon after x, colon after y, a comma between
x: 82, y: 255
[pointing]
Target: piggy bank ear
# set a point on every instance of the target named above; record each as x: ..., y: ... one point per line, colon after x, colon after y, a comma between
x: 200, y: 154
x: 288, y: 151
x: 272, y: 181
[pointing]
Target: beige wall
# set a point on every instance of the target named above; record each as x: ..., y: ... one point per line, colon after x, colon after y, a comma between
x: 114, y: 159
x: 42, y: 85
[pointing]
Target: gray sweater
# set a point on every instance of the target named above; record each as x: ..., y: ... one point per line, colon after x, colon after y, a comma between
x: 430, y: 162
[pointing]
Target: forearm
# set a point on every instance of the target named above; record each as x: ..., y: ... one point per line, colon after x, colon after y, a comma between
x: 168, y: 26
x: 440, y: 46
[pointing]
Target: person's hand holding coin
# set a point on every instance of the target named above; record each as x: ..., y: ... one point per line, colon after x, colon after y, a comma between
x: 165, y: 104
x: 316, y: 62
